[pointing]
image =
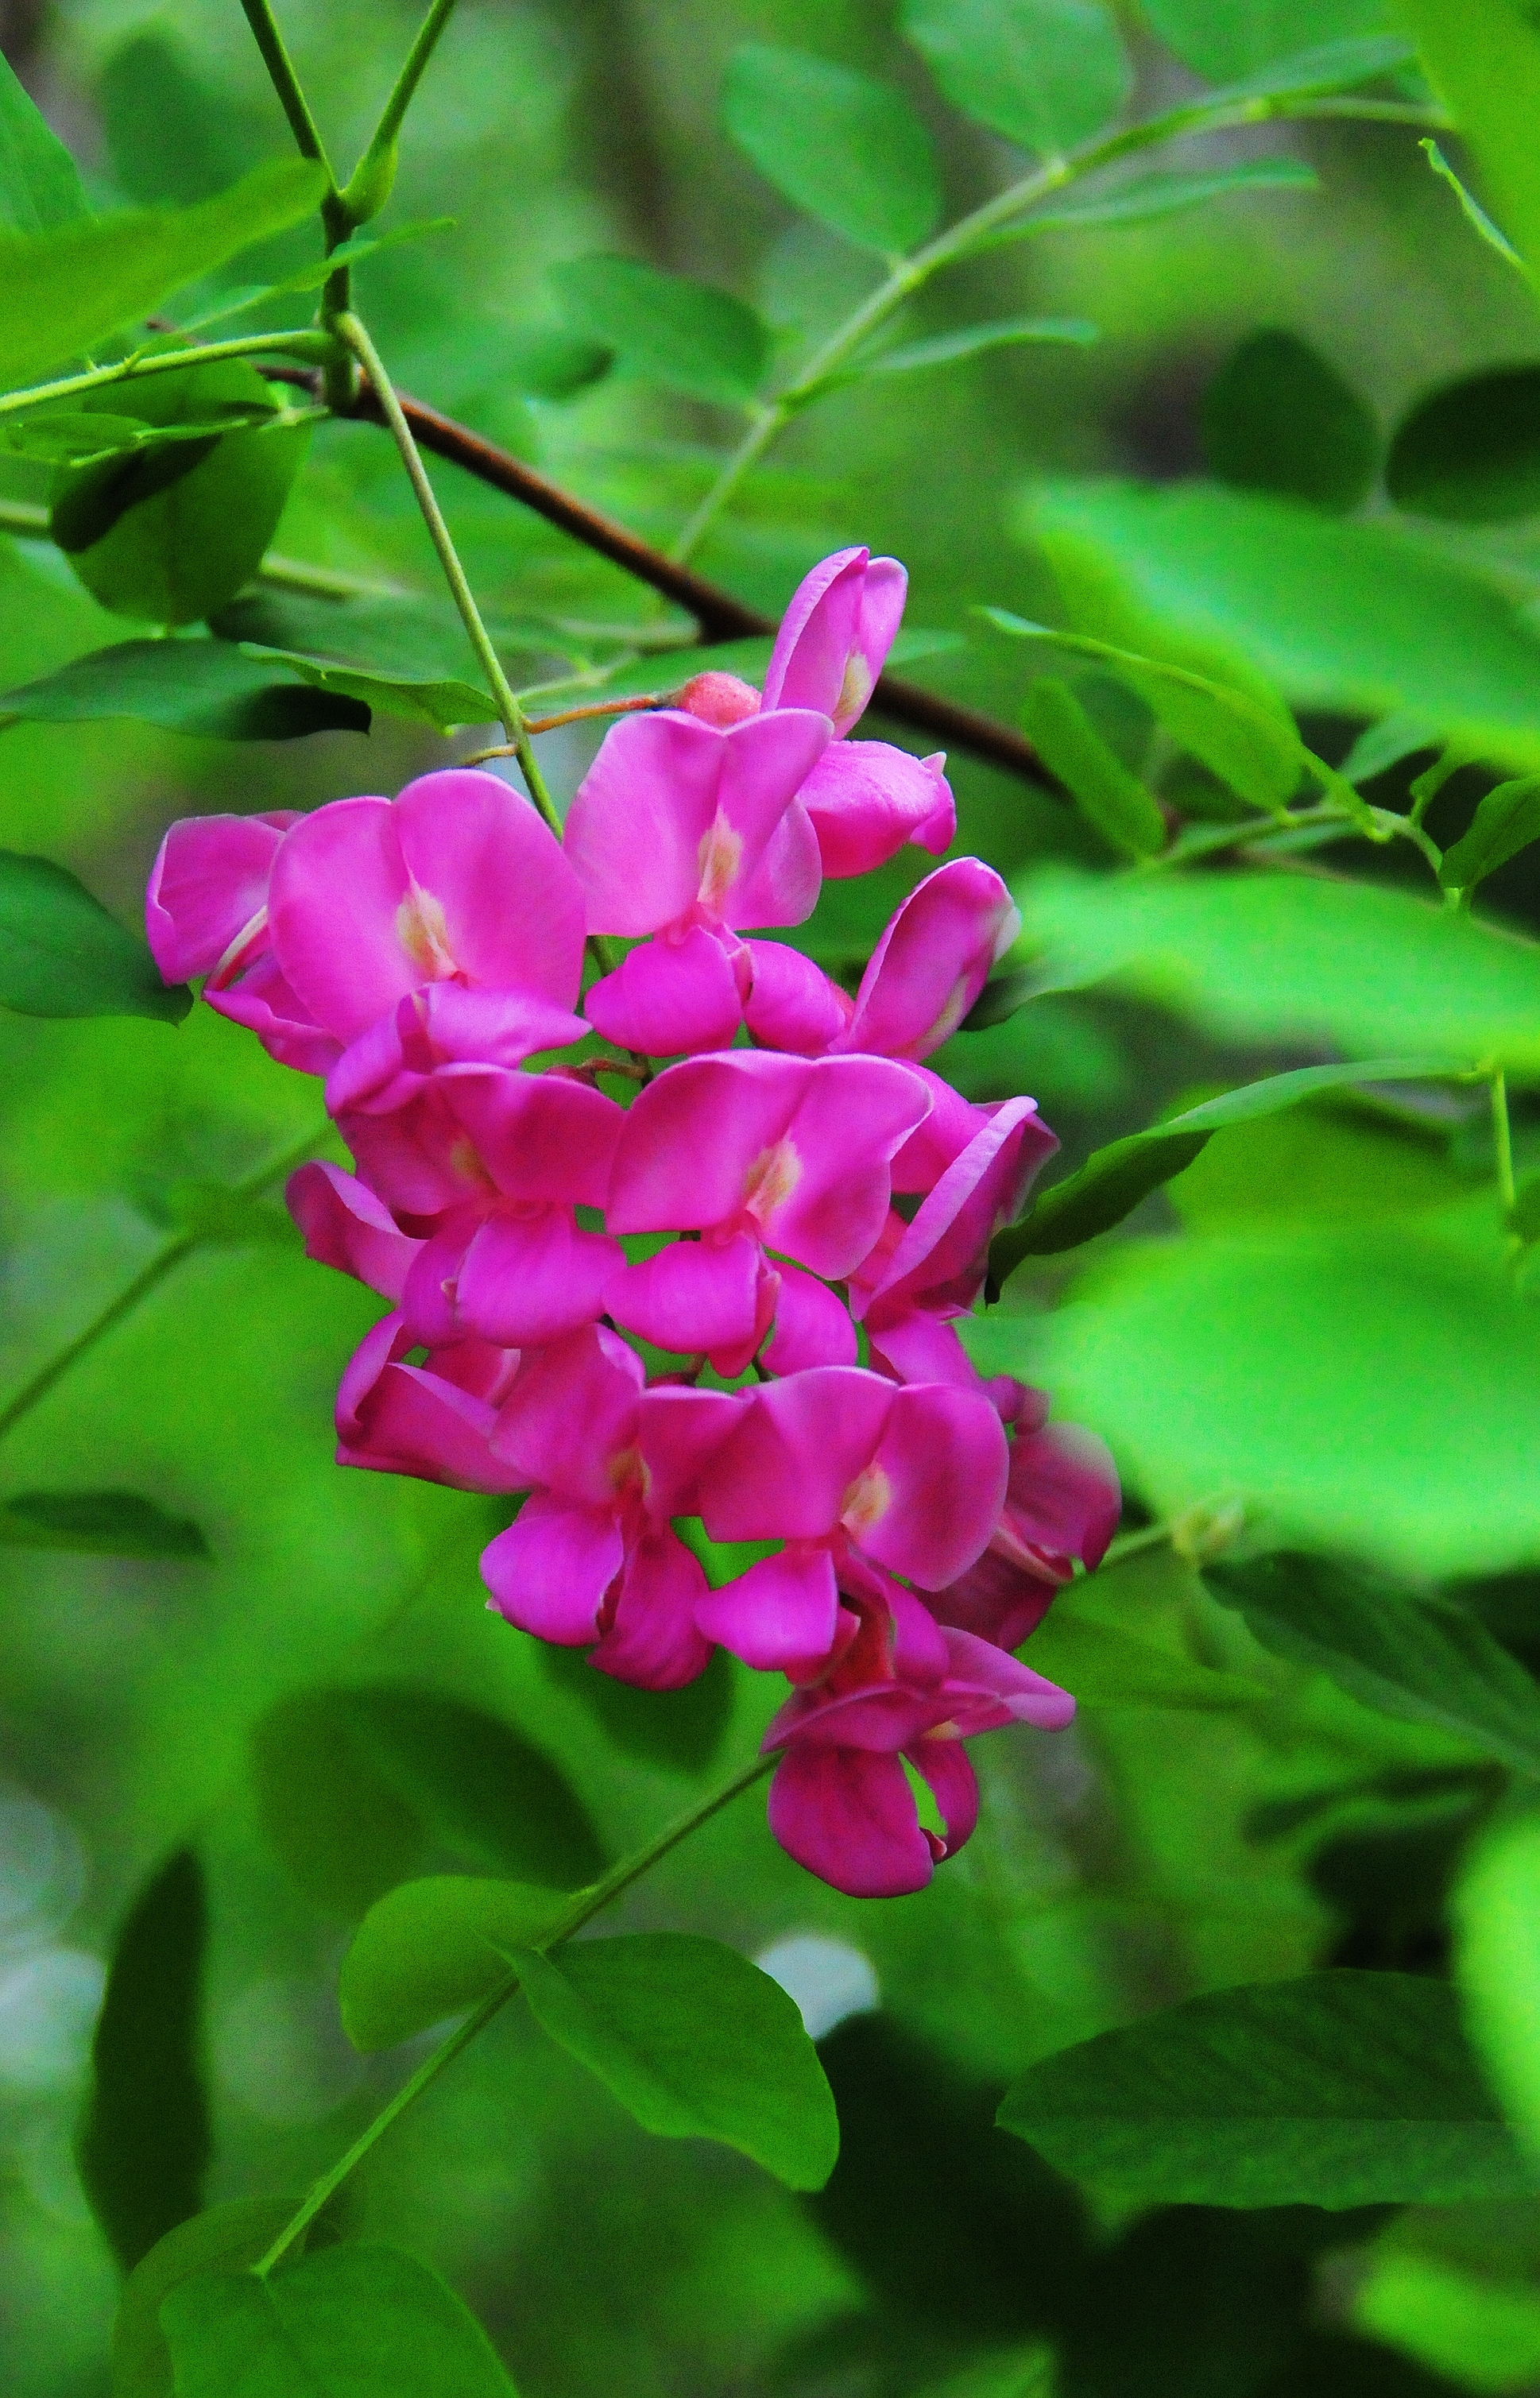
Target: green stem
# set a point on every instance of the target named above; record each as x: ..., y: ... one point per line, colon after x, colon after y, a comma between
x: 351, y: 332
x: 377, y: 158
x: 166, y: 1259
x: 334, y: 216
x: 909, y: 273
x: 585, y: 1905
x: 308, y: 341
x: 1501, y: 1136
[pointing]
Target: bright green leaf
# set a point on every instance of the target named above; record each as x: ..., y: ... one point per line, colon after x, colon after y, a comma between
x: 690, y: 337
x: 433, y: 1947
x: 1240, y: 38
x: 1479, y: 2329
x: 1115, y: 801
x: 696, y: 2043
x: 144, y: 2144
x: 1387, y: 744
x: 1426, y: 1660
x: 1471, y: 451
x: 1279, y: 417
x: 220, y: 2239
x: 1045, y: 74
x: 1085, y: 1648
x: 62, y: 955
x: 71, y: 437
x: 70, y: 287
x: 1497, y: 1912
x: 349, y: 253
x: 1340, y: 1159
x: 970, y: 339
x: 1483, y: 58
x: 350, y: 2322
x: 850, y: 152
x: 1507, y: 821
x: 105, y: 1523
x: 446, y: 704
x: 211, y: 689
x: 1336, y: 2089
x: 39, y: 180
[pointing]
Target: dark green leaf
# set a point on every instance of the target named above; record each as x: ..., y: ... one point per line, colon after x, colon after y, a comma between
x: 351, y: 2322
x: 1086, y: 1647
x: 550, y: 364
x: 144, y: 2142
x: 679, y: 1729
x: 210, y: 689
x: 696, y: 2043
x: 850, y: 152
x: 223, y: 1219
x: 219, y: 2241
x: 168, y: 534
x: 970, y: 339
x: 1115, y: 801
x: 1238, y: 41
x: 353, y: 1785
x: 39, y: 180
x: 1426, y: 1660
x: 1150, y: 197
x: 431, y: 1948
x: 1336, y: 2089
x: 70, y: 287
x: 690, y: 337
x: 1279, y: 417
x: 1483, y: 58
x: 62, y: 955
x: 1114, y: 1180
x: 1471, y: 451
x: 1507, y: 821
x: 1045, y: 73
x: 107, y: 1523
x: 446, y: 704
x: 1524, y: 1213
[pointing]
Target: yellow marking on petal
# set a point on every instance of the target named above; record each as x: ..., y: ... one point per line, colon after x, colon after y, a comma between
x: 771, y: 1180
x: 866, y: 1500
x: 423, y: 932
x: 627, y: 1471
x: 956, y: 1008
x: 856, y: 686
x: 720, y: 857
x: 465, y: 1160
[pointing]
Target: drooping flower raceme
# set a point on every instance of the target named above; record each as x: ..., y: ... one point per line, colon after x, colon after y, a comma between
x: 727, y: 1296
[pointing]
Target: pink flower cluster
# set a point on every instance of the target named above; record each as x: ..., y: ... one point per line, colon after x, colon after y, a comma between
x: 732, y: 1300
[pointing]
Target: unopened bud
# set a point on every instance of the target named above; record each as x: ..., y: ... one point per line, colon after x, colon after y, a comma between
x: 717, y: 698
x: 1204, y: 1533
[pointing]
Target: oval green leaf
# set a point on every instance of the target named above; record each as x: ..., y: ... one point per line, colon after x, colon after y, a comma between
x: 1469, y: 453
x: 212, y: 689
x: 1232, y: 43
x: 1507, y: 821
x: 433, y: 1947
x: 1497, y: 1912
x: 1114, y: 800
x: 850, y: 152
x: 39, y: 180
x: 1045, y: 74
x: 62, y: 955
x: 102, y: 1523
x: 1279, y: 417
x: 218, y: 2240
x: 688, y: 336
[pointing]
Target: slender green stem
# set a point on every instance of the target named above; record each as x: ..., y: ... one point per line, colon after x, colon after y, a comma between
x: 149, y: 1275
x: 970, y: 231
x: 307, y: 342
x: 585, y: 1904
x: 377, y: 163
x: 286, y: 83
x: 351, y: 332
x: 1502, y: 1138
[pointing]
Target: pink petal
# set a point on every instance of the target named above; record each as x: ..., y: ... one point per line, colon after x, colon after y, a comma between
x: 792, y: 1003
x: 1064, y: 1500
x: 850, y: 1818
x: 867, y: 800
x: 995, y: 1600
x: 946, y: 1132
x: 428, y: 1301
x: 813, y: 1325
x: 539, y: 1137
x: 529, y: 1276
x: 781, y: 1616
x: 264, y: 1003
x: 400, y: 1419
x: 208, y: 887
x: 693, y: 1297
x: 635, y: 829
x: 835, y: 636
x: 437, y: 1026
x: 783, y: 888
x: 512, y: 907
x: 691, y: 1136
x: 345, y: 1226
x: 572, y: 1415
x: 654, y: 1640
x: 986, y: 1689
x: 672, y: 997
x: 799, y: 1446
x: 914, y: 1347
x: 937, y: 1485
x: 932, y: 960
x: 766, y: 761
x: 954, y: 1786
x: 853, y: 1117
x: 339, y: 882
x: 679, y: 1433
x: 418, y: 1157
x: 943, y: 1258
x: 549, y: 1572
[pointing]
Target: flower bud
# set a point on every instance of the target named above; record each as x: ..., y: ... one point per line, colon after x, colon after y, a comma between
x: 716, y: 698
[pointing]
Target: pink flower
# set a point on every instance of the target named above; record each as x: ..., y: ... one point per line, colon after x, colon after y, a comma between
x: 753, y: 1152
x: 903, y: 1688
x: 591, y: 1556
x: 835, y: 636
x: 433, y: 1420
x: 1062, y: 1501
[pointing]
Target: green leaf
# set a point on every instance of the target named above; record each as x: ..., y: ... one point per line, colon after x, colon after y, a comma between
x: 73, y: 437
x: 350, y: 2322
x: 349, y: 253
x: 353, y: 1785
x: 1045, y: 74
x: 62, y: 955
x: 688, y: 336
x: 104, y: 1523
x: 220, y: 1218
x: 1497, y: 1915
x: 546, y: 362
x: 144, y: 2143
x: 1149, y: 198
x: 970, y: 339
x: 1471, y: 451
x: 1507, y: 821
x: 70, y: 287
x: 213, y: 689
x: 1277, y: 417
x: 1270, y: 957
x: 1426, y: 1659
x: 168, y: 534
x: 39, y: 181
x: 1386, y: 744
x: 696, y: 2043
x: 681, y: 1729
x: 1352, y: 617
x: 848, y: 151
x: 1085, y: 1648
x: 433, y: 1947
x: 1238, y: 41
x: 1470, y: 207
x: 1336, y: 2089
x: 1115, y: 801
x: 1483, y: 57
x: 446, y: 704
x: 220, y: 2239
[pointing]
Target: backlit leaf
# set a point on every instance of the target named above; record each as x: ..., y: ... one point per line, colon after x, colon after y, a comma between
x: 445, y: 703
x: 1483, y: 58
x: 39, y: 180
x: 1336, y: 2089
x: 62, y: 955
x: 1497, y: 1912
x: 1232, y: 43
x: 214, y: 690
x: 696, y: 2043
x: 433, y: 1947
x: 848, y: 151
x: 689, y: 336
x: 1507, y: 821
x: 1045, y: 74
x: 1115, y: 801
x: 219, y: 2241
x: 1279, y: 417
x: 105, y: 1523
x: 1470, y: 451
